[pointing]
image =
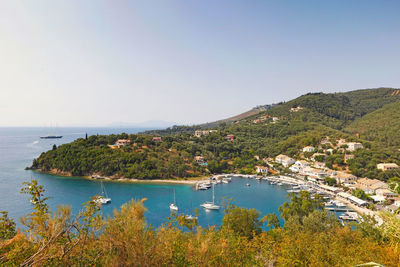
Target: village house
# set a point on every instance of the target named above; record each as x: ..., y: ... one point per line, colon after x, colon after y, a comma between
x: 261, y: 169
x: 385, y: 193
x: 308, y: 149
x: 229, y: 137
x: 296, y: 109
x: 275, y: 119
x: 122, y: 142
x: 316, y: 174
x: 284, y: 160
x: 299, y: 166
x: 387, y: 166
x: 369, y: 186
x: 157, y: 139
x: 344, y: 177
x: 353, y: 146
x: 200, y: 133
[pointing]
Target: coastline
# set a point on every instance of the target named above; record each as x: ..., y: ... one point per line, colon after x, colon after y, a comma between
x: 187, y: 181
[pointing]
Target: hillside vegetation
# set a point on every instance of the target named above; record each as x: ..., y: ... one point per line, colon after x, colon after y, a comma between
x: 382, y: 125
x: 371, y: 113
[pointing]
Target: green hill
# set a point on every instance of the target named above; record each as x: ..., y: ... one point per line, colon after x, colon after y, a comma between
x: 382, y: 125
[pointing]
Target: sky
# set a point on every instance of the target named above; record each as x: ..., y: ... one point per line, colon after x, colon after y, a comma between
x: 97, y: 63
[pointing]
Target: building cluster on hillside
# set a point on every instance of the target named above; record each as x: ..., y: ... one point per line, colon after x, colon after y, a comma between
x: 318, y: 173
x: 200, y: 133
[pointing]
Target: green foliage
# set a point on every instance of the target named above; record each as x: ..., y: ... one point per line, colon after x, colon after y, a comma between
x: 300, y: 205
x: 7, y: 226
x: 244, y: 222
x: 330, y: 181
x: 360, y: 194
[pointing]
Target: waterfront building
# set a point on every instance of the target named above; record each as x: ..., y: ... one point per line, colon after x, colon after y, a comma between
x: 261, y: 169
x: 370, y: 186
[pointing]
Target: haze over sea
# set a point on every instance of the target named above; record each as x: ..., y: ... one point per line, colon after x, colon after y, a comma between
x: 19, y: 146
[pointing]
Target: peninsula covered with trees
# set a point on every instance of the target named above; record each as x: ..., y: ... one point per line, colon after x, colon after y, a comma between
x: 367, y: 116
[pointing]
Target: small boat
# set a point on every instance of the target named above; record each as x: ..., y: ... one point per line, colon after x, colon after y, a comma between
x: 247, y: 184
x: 225, y: 181
x: 103, y: 197
x: 190, y: 217
x: 211, y: 205
x: 203, y: 187
x: 173, y: 206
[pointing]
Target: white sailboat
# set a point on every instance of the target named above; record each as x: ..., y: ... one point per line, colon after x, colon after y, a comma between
x: 190, y: 216
x: 173, y: 206
x: 103, y: 197
x: 211, y: 205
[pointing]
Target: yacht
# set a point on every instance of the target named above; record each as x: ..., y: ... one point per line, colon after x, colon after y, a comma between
x: 173, y: 206
x: 51, y: 136
x: 211, y: 205
x: 190, y: 216
x: 103, y: 197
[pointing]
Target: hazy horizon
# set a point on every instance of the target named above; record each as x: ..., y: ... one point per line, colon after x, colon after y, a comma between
x: 98, y: 63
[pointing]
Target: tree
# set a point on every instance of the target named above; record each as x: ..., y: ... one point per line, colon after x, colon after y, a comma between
x: 300, y: 205
x: 7, y: 226
x: 272, y: 219
x: 243, y: 222
x: 360, y: 194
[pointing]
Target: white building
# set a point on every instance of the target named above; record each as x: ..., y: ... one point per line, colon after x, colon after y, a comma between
x: 284, y: 160
x: 308, y: 149
x: 387, y: 166
x: 261, y: 169
x: 299, y: 165
x: 353, y: 146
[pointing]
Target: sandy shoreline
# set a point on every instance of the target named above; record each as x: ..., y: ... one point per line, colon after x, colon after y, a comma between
x: 189, y: 181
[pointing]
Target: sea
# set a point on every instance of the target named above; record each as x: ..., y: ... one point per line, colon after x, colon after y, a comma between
x: 20, y: 145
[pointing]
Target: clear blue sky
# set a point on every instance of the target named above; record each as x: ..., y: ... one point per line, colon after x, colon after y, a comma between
x: 98, y: 62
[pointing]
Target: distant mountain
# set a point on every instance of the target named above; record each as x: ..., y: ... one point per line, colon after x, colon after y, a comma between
x: 157, y: 124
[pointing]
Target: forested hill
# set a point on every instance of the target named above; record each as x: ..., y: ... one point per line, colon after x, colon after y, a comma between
x: 382, y: 125
x: 284, y: 128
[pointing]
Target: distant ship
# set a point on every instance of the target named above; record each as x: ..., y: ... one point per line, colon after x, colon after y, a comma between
x: 51, y: 136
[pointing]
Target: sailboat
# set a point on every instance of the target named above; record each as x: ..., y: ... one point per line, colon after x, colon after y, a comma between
x: 211, y: 205
x: 103, y: 197
x: 173, y: 206
x: 190, y: 216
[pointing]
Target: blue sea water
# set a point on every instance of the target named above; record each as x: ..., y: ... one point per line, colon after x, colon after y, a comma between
x: 19, y: 146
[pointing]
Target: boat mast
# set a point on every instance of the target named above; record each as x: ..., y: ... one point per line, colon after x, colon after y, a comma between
x: 174, y: 197
x: 213, y: 194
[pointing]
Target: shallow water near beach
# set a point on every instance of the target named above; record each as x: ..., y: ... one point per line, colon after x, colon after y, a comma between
x: 19, y: 146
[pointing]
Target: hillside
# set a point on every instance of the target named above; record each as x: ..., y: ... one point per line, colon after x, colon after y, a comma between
x: 279, y: 129
x: 382, y: 125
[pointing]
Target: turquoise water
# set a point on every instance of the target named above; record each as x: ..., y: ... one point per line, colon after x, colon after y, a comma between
x: 19, y: 146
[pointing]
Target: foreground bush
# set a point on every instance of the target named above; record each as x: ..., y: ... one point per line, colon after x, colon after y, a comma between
x: 312, y: 238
